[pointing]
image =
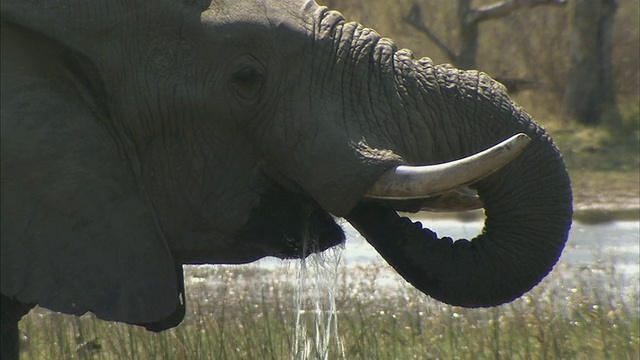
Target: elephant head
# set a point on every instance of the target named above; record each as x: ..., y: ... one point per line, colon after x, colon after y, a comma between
x: 141, y: 137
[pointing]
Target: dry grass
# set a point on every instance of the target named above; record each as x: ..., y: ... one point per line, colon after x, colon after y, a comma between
x: 249, y: 313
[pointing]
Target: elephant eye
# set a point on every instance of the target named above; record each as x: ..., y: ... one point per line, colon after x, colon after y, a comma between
x: 247, y: 77
x: 247, y: 81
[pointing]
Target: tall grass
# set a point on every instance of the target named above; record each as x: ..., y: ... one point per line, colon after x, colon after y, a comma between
x: 244, y: 312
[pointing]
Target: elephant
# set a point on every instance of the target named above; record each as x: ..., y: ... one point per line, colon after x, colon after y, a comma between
x: 141, y: 136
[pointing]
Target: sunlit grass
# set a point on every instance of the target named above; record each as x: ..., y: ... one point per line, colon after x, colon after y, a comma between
x: 249, y: 313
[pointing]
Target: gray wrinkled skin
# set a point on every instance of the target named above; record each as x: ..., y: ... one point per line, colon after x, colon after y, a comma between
x: 139, y: 137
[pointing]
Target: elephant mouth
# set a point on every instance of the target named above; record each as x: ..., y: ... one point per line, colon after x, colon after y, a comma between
x: 288, y: 224
x: 458, y: 200
x: 443, y: 187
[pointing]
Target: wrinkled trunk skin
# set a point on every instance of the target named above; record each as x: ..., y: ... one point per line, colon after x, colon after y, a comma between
x: 527, y: 203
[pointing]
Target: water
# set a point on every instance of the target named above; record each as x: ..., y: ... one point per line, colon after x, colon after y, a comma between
x: 614, y: 245
x: 315, y: 298
x: 598, y: 248
x: 588, y: 244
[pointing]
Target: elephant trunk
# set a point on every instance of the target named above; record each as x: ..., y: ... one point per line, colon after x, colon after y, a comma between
x: 427, y: 114
x: 527, y: 203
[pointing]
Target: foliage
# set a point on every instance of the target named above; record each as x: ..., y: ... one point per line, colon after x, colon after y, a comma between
x: 245, y: 312
x: 530, y: 44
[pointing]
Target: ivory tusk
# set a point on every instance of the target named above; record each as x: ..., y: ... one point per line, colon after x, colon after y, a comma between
x: 417, y: 182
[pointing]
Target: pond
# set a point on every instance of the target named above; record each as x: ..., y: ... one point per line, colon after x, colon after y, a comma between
x: 601, y: 249
x: 588, y: 244
x: 599, y: 266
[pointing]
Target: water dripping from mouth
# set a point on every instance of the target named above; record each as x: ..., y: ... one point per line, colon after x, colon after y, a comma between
x: 316, y: 323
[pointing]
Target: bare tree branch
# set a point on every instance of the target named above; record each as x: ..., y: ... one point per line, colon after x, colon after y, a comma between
x: 469, y: 19
x: 504, y: 8
x: 414, y: 18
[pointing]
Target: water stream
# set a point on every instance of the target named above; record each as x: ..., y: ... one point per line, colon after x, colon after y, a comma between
x: 315, y: 298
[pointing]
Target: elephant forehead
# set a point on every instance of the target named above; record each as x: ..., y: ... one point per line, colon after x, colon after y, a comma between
x: 267, y: 13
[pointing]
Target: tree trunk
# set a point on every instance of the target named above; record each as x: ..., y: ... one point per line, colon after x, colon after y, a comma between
x: 589, y: 95
x: 466, y: 59
x: 469, y: 19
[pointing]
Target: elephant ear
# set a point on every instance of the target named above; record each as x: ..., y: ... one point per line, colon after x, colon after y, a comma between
x: 77, y: 232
